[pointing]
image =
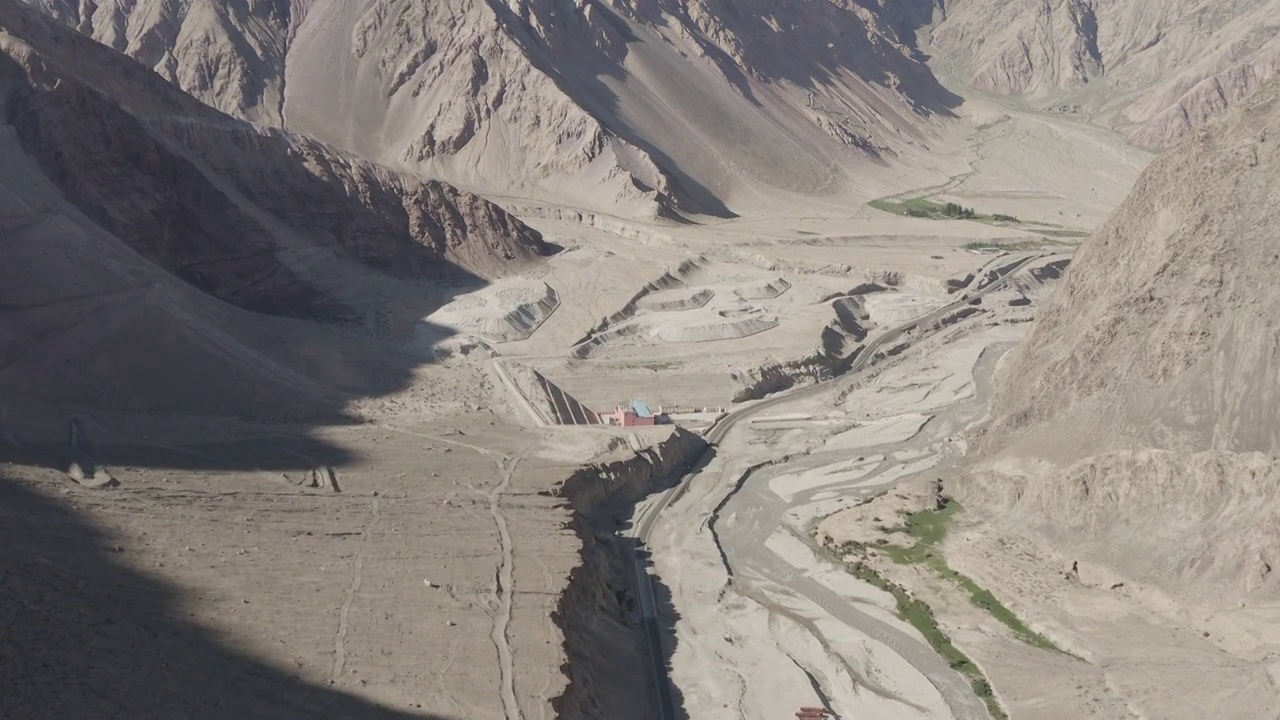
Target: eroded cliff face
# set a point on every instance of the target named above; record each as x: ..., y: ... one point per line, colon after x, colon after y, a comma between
x: 644, y: 106
x: 1154, y: 70
x: 396, y: 223
x: 620, y: 484
x: 599, y: 614
x: 107, y: 164
x: 1014, y: 47
x: 1141, y: 419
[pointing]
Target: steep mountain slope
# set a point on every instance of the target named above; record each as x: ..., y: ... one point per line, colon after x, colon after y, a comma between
x: 1156, y: 70
x: 142, y: 225
x: 1140, y: 422
x: 226, y: 52
x: 639, y: 105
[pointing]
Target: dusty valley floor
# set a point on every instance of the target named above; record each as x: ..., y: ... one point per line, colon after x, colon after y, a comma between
x: 445, y: 552
x: 306, y: 362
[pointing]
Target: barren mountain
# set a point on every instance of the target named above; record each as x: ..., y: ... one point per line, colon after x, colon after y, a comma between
x: 143, y: 224
x: 643, y: 105
x: 226, y: 53
x: 1138, y: 423
x: 1156, y: 70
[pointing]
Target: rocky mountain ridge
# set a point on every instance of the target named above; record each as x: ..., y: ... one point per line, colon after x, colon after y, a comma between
x: 130, y: 150
x: 649, y: 106
x: 1140, y: 419
x: 1154, y: 70
x: 148, y: 237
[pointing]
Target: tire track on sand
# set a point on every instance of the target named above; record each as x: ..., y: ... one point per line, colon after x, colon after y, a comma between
x: 339, y: 642
x: 503, y: 590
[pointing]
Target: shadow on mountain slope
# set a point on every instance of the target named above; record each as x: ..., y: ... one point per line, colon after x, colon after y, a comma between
x: 158, y: 257
x: 199, y: 296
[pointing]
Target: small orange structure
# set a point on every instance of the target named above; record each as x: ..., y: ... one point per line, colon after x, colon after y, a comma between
x: 813, y: 713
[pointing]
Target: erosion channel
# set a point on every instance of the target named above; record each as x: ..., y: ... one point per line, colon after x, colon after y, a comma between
x: 762, y: 620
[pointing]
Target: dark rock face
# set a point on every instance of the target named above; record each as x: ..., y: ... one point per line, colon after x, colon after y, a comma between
x: 220, y: 203
x: 129, y: 183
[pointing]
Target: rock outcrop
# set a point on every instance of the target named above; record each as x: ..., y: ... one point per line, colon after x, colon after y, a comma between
x: 645, y: 106
x: 1014, y: 47
x: 217, y: 201
x: 1141, y: 419
x: 229, y: 54
x: 1154, y: 70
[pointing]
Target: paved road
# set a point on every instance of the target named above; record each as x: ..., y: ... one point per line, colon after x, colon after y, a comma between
x: 950, y: 683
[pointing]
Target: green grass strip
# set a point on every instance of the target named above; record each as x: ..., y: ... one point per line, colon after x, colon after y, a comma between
x: 929, y: 527
x: 920, y: 616
x: 925, y: 208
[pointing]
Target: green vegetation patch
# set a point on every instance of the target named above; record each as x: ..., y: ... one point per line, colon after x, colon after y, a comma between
x: 956, y: 210
x: 929, y: 527
x: 925, y: 208
x: 1064, y: 233
x: 1005, y: 247
x: 920, y: 616
x: 913, y: 207
x: 1018, y: 246
x: 983, y: 598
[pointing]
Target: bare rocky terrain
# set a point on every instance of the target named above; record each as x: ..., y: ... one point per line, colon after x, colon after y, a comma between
x: 646, y: 107
x: 1142, y: 402
x: 310, y: 313
x: 451, y: 88
x: 1154, y: 70
x: 1118, y: 502
x: 140, y: 212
